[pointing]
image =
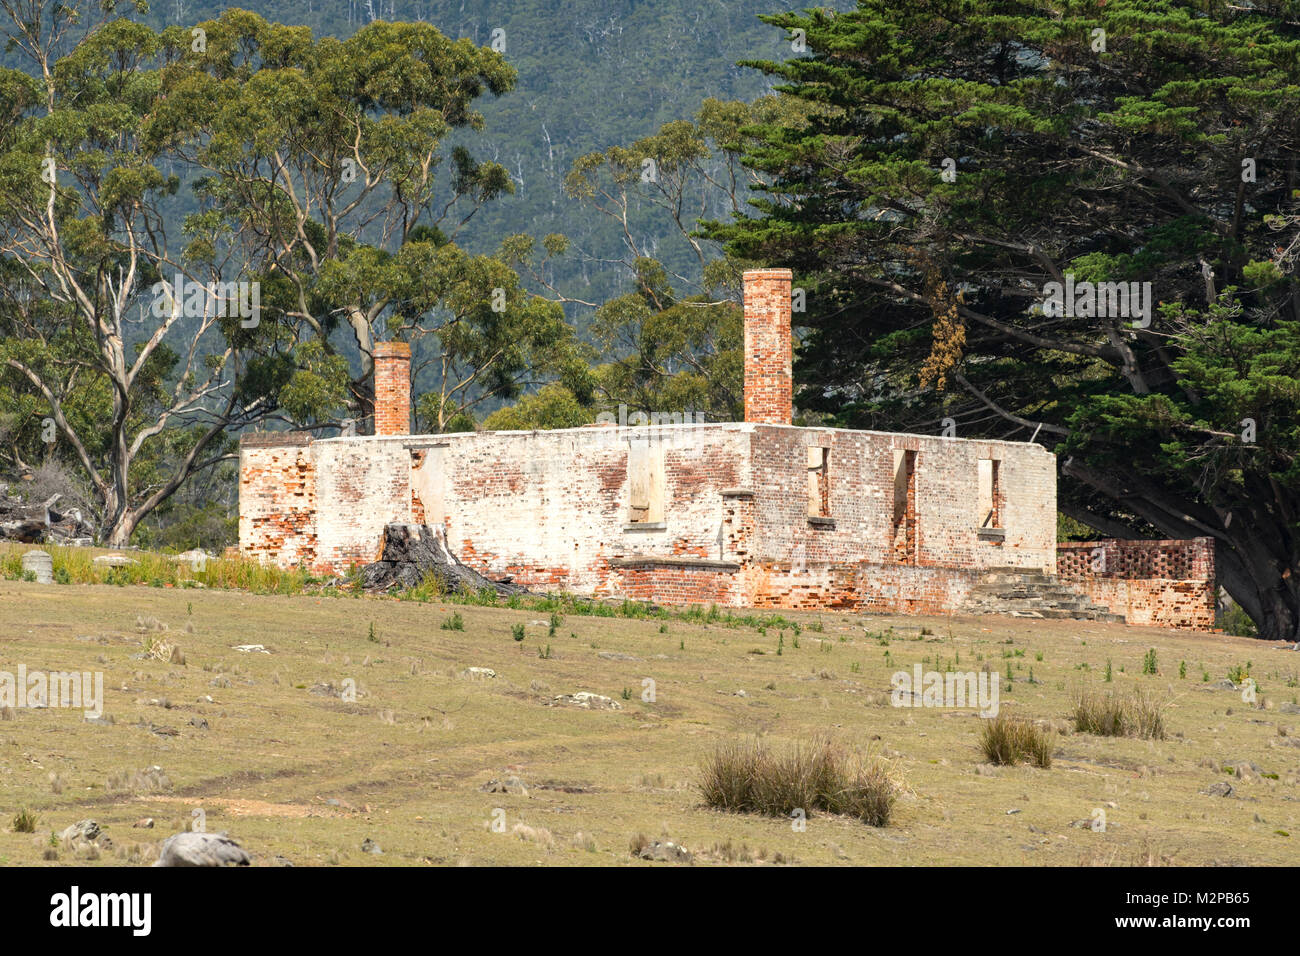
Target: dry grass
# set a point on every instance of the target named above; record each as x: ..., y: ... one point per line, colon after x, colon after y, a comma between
x: 1140, y: 713
x: 817, y: 775
x: 290, y: 771
x: 1007, y: 741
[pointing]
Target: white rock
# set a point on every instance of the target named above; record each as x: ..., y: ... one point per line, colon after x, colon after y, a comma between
x: 201, y: 849
x: 40, y: 564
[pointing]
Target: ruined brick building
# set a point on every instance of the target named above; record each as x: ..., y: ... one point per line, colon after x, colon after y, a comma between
x: 758, y: 513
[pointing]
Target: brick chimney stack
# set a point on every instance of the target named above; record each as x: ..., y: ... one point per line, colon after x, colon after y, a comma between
x: 392, y: 388
x: 768, y: 384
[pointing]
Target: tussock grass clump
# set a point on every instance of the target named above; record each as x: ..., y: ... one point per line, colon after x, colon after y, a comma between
x: 1138, y: 714
x: 149, y: 780
x: 749, y: 777
x: 24, y: 821
x: 1007, y: 741
x: 529, y: 834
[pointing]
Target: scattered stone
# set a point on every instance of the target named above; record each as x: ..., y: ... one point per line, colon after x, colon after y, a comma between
x: 201, y: 849
x: 1220, y: 789
x: 143, y: 824
x: 1244, y: 769
x: 101, y: 721
x: 740, y: 693
x: 198, y: 723
x: 1090, y: 824
x: 483, y: 672
x: 370, y: 846
x: 665, y: 852
x: 222, y: 681
x: 113, y: 561
x: 1013, y: 810
x: 1223, y: 684
x: 1286, y: 707
x: 40, y: 564
x: 509, y: 785
x: 587, y: 701
x: 251, y: 648
x: 281, y: 861
x: 87, y: 830
x: 616, y: 656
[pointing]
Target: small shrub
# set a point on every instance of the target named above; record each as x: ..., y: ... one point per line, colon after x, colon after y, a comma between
x: 1140, y: 714
x: 748, y: 777
x: 24, y: 821
x: 454, y: 623
x: 1237, y: 622
x: 1007, y: 741
x: 517, y: 632
x: 1149, y: 664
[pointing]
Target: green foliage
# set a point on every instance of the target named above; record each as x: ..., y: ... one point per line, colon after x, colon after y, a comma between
x: 930, y: 289
x: 1149, y: 664
x: 1235, y: 621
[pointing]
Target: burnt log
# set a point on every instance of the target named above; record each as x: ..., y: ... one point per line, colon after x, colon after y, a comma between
x: 38, y: 522
x: 414, y: 552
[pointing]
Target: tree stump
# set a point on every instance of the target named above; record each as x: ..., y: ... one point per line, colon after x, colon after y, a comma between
x: 414, y: 552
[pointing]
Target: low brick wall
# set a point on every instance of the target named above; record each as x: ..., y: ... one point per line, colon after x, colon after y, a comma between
x: 864, y: 586
x: 1158, y: 583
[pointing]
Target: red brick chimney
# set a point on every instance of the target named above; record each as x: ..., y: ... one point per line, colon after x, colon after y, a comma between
x: 392, y: 388
x: 768, y: 393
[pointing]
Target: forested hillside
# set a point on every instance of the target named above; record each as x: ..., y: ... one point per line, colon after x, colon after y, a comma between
x: 592, y: 74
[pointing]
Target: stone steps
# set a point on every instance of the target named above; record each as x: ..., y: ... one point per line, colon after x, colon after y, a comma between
x: 1020, y: 593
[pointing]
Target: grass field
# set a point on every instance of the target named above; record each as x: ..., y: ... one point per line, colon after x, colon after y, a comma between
x: 263, y: 745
